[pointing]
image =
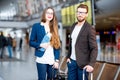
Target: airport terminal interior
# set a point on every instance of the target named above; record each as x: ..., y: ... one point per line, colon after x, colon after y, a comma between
x: 18, y: 16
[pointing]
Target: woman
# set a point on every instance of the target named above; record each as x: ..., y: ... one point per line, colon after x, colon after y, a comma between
x: 47, y: 60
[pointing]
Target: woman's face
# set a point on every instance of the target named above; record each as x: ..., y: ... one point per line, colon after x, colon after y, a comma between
x: 49, y: 14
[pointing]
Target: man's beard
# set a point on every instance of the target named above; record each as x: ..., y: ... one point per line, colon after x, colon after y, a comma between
x: 80, y: 20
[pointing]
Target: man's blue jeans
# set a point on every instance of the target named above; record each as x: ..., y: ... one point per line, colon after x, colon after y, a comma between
x: 10, y: 51
x: 74, y: 72
x: 45, y: 69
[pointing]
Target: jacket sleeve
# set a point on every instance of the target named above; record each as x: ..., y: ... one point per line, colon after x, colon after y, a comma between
x: 57, y: 53
x: 93, y: 46
x: 69, y: 48
x: 33, y: 37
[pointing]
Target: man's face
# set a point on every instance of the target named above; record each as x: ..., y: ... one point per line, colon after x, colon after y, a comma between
x: 81, y: 14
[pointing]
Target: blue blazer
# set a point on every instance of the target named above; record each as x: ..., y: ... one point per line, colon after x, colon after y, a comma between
x: 37, y: 34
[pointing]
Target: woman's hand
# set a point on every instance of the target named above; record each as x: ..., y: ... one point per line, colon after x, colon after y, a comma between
x: 44, y: 45
x: 56, y: 65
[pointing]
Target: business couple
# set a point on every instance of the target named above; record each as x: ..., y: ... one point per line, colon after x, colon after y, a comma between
x: 82, y: 49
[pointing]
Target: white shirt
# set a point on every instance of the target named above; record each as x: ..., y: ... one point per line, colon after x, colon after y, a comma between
x: 74, y: 36
x: 47, y: 58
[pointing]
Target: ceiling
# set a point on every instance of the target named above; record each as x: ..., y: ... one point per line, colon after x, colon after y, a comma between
x: 5, y: 4
x: 107, y: 14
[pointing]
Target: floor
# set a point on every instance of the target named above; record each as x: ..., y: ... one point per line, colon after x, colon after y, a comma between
x: 23, y: 67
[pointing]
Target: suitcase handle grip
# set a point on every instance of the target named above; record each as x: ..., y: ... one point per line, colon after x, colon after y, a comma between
x: 91, y: 74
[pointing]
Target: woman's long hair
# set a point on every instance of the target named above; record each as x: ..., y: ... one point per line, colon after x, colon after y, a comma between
x: 55, y: 41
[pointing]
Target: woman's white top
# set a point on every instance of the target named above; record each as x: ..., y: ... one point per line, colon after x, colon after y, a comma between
x: 74, y: 36
x: 48, y: 56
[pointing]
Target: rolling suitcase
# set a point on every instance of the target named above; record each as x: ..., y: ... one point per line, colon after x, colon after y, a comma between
x: 56, y: 75
x: 91, y: 75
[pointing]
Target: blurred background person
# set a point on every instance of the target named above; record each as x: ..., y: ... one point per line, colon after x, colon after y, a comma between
x: 14, y: 44
x: 9, y: 45
x: 2, y: 44
x: 20, y: 44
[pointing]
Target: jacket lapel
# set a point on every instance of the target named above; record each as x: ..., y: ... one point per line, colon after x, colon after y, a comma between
x: 82, y: 29
x: 72, y: 28
x: 43, y: 30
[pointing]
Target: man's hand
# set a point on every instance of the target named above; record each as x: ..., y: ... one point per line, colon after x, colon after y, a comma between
x: 68, y: 60
x: 88, y: 68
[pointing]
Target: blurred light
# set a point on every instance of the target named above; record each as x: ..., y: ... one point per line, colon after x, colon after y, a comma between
x: 12, y: 34
x: 7, y: 31
x: 19, y: 33
x: 9, y: 13
x: 113, y: 32
x: 106, y: 32
x: 97, y: 32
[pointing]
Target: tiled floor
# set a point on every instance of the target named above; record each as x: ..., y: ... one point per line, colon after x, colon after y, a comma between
x: 23, y: 66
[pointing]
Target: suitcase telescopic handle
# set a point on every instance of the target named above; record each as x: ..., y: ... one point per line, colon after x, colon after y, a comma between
x: 91, y: 75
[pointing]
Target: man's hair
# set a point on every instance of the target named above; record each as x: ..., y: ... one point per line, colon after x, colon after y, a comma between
x: 83, y: 6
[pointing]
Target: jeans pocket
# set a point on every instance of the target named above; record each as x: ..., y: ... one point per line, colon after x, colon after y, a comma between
x: 69, y: 64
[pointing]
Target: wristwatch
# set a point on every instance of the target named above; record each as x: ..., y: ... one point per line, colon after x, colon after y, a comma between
x: 57, y: 60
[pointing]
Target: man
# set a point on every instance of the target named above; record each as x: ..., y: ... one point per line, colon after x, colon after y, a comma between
x: 2, y: 44
x: 83, y: 47
x: 9, y: 46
